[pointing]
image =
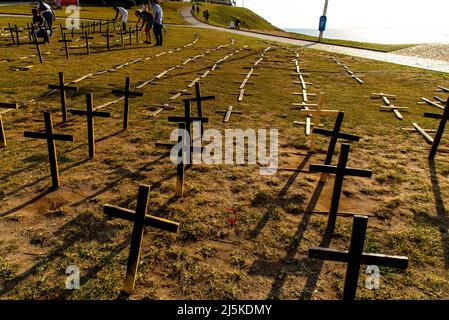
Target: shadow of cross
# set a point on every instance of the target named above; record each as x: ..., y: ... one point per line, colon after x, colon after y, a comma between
x: 90, y: 114
x: 444, y: 118
x: 51, y: 138
x: 335, y: 134
x: 340, y: 171
x: 62, y: 87
x: 140, y: 220
x: 126, y: 94
x: 355, y: 257
x: 8, y: 107
x: 442, y: 219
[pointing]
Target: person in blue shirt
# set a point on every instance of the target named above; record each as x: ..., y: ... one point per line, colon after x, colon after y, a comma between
x: 158, y: 17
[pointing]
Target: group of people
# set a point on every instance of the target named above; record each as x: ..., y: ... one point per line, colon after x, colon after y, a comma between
x: 235, y: 24
x: 196, y: 9
x: 148, y: 20
x: 43, y: 17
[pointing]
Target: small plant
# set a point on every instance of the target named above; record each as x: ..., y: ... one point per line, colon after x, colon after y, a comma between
x: 207, y: 251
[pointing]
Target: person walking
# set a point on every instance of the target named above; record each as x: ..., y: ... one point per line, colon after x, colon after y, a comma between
x: 206, y: 15
x: 158, y: 18
x: 47, y: 13
x: 147, y: 22
x: 198, y: 10
x: 237, y: 23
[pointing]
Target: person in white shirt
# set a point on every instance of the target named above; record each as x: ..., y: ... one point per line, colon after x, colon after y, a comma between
x: 158, y: 17
x: 124, y: 16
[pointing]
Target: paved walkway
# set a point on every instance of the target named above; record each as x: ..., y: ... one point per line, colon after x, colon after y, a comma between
x: 423, y: 63
x: 7, y: 4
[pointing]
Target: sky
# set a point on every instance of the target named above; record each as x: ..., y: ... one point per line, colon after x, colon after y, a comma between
x: 353, y: 13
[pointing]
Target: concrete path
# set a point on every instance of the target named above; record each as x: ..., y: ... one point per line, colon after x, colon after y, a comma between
x: 7, y: 4
x: 429, y: 64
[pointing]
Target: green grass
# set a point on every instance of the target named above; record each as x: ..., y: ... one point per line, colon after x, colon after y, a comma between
x: 355, y: 44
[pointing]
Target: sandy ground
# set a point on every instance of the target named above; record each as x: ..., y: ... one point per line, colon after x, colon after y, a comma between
x: 435, y: 51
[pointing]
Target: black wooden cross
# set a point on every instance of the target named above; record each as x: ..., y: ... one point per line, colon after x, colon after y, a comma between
x: 355, y: 257
x: 335, y: 135
x: 65, y: 40
x: 51, y: 138
x: 90, y: 114
x: 444, y: 118
x: 94, y: 26
x: 140, y: 220
x: 11, y: 31
x: 130, y: 32
x: 61, y: 28
x: 340, y: 171
x: 122, y: 33
x: 39, y: 53
x: 181, y: 166
x: 87, y: 38
x: 188, y: 119
x: 30, y: 29
x: 62, y: 89
x: 126, y: 93
x: 199, y: 105
x: 82, y: 28
x: 107, y: 35
x: 17, y: 31
x: 7, y: 107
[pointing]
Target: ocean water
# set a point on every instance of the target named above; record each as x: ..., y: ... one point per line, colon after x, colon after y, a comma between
x: 383, y: 35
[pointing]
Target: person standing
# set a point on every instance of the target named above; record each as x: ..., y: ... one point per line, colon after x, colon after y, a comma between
x: 206, y: 16
x: 158, y: 18
x: 198, y: 10
x: 237, y: 23
x: 124, y: 16
x: 47, y: 13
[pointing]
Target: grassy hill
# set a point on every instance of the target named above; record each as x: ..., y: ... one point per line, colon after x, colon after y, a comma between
x: 221, y: 15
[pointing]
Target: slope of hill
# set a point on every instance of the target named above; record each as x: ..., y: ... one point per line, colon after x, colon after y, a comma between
x: 221, y: 15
